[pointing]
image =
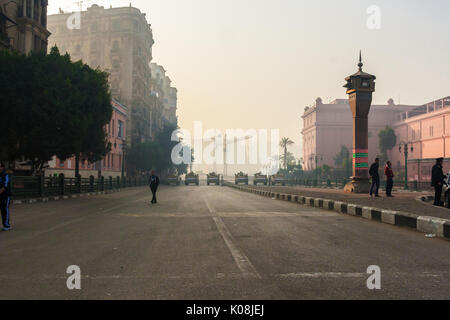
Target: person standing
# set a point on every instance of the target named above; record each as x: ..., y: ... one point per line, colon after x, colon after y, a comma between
x: 389, y: 178
x: 5, y: 197
x: 437, y: 180
x: 374, y: 168
x: 154, y: 183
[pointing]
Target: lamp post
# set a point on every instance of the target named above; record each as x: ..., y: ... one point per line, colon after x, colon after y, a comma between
x: 404, y: 146
x: 124, y: 147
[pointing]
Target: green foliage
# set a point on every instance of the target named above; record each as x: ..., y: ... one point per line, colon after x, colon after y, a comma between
x: 343, y: 160
x: 156, y: 154
x: 387, y: 141
x: 54, y: 107
x: 284, y: 143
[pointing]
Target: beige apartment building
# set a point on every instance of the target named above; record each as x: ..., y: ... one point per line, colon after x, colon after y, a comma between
x: 23, y: 25
x: 161, y: 88
x: 328, y: 126
x: 119, y: 41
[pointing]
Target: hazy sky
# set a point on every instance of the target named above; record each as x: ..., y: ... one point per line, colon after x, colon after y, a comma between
x: 258, y: 63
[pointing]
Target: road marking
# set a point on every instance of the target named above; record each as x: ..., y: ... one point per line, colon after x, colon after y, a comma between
x: 323, y: 275
x: 242, y: 261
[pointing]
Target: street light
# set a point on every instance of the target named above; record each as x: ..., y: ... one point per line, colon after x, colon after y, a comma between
x: 405, y: 145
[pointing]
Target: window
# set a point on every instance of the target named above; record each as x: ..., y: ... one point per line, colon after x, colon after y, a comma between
x: 112, y: 128
x: 120, y: 129
x: 116, y: 25
x: 61, y: 164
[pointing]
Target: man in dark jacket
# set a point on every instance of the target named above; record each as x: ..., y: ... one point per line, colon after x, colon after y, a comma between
x: 389, y: 179
x: 438, y: 180
x: 153, y: 183
x: 374, y: 168
x: 5, y: 197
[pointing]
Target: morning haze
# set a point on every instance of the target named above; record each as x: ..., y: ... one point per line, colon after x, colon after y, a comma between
x: 258, y: 63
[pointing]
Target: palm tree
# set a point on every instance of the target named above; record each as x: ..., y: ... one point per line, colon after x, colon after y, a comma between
x: 284, y: 143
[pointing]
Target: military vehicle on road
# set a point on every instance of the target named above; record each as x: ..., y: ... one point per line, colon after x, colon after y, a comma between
x: 260, y: 178
x: 213, y: 178
x: 173, y: 179
x: 241, y: 177
x: 278, y: 178
x: 191, y: 178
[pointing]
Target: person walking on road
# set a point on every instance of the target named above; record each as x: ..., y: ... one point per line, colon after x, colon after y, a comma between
x: 389, y: 178
x: 437, y: 180
x: 5, y: 197
x: 374, y: 168
x: 154, y: 183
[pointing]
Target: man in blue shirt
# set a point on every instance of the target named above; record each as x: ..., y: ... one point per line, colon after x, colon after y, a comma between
x: 5, y: 197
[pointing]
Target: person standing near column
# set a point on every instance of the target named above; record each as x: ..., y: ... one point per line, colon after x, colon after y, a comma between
x: 5, y: 197
x: 437, y: 180
x: 389, y: 179
x: 373, y: 172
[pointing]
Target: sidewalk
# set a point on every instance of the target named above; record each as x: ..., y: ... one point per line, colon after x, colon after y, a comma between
x: 402, y: 201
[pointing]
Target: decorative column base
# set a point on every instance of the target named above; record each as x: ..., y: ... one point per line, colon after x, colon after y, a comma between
x: 357, y: 185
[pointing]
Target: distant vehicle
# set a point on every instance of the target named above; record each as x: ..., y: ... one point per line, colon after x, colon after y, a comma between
x: 260, y: 178
x: 278, y: 179
x: 213, y: 178
x: 191, y: 178
x: 445, y: 198
x: 174, y: 179
x: 241, y: 178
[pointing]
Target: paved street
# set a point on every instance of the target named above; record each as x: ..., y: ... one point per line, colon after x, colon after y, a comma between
x: 212, y: 243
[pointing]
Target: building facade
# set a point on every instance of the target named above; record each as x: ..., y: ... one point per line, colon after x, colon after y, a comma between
x: 23, y: 25
x: 113, y: 164
x: 326, y: 127
x: 119, y: 41
x: 161, y: 88
x: 427, y: 130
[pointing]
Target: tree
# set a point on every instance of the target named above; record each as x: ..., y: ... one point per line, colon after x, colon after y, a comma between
x: 387, y: 141
x: 343, y: 160
x: 284, y: 143
x: 63, y: 112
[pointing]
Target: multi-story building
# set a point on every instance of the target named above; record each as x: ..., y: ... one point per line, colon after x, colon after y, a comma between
x: 426, y: 131
x: 161, y: 88
x: 113, y: 164
x: 326, y: 127
x: 119, y: 41
x: 23, y: 25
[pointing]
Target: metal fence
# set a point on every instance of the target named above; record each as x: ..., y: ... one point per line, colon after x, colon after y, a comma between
x: 39, y: 186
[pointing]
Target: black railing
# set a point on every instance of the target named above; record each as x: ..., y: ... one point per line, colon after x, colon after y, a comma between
x: 39, y: 186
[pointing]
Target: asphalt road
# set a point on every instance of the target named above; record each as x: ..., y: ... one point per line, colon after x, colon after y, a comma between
x: 212, y: 243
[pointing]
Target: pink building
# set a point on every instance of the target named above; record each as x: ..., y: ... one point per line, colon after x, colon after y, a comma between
x: 427, y: 130
x: 326, y: 127
x: 112, y: 164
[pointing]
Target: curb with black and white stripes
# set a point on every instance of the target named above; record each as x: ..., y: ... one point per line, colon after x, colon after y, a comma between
x: 64, y: 197
x: 429, y: 225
